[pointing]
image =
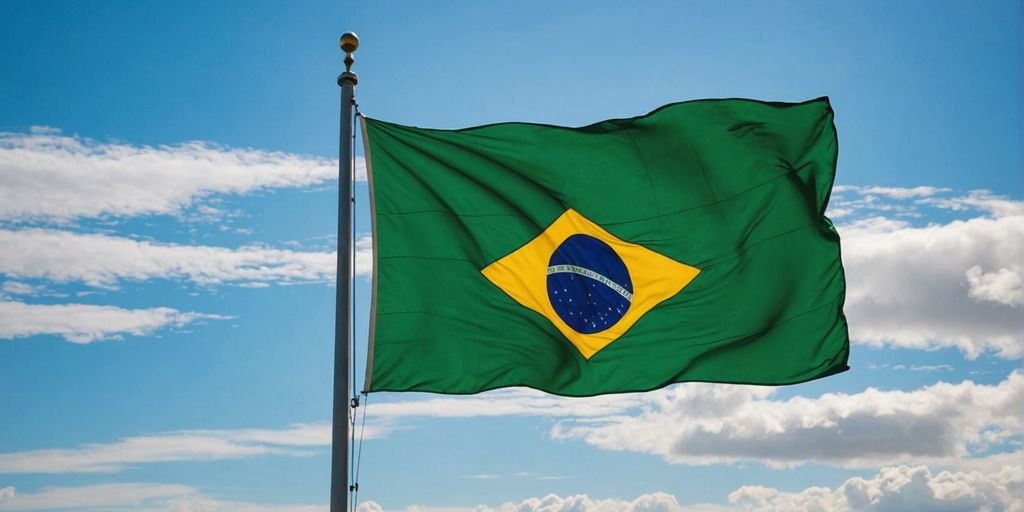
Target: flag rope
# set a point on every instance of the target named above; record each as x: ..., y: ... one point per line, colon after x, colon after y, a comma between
x: 355, y: 443
x: 359, y: 455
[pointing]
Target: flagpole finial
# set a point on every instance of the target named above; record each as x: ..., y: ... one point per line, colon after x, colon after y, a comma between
x: 349, y: 42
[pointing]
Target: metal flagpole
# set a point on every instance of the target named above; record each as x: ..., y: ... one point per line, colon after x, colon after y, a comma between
x: 340, y: 430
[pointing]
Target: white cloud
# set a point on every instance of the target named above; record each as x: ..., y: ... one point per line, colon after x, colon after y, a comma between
x: 848, y: 200
x: 137, y: 497
x: 891, y: 200
x: 507, y: 402
x: 1003, y: 286
x: 519, y: 474
x: 913, y: 368
x: 838, y: 212
x: 901, y: 192
x: 699, y: 424
x: 941, y: 285
x: 205, y: 504
x: 965, y: 425
x: 897, y: 489
x: 92, y: 496
x: 184, y: 445
x: 103, y: 260
x: 19, y: 288
x: 653, y: 502
x: 982, y: 200
x: 362, y: 255
x: 46, y: 175
x: 166, y: 447
x: 84, y: 323
x: 205, y: 444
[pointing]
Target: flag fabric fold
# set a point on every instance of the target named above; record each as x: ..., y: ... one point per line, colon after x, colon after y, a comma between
x: 688, y: 244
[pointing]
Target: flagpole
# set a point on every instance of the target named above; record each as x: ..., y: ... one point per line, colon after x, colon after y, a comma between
x: 340, y: 429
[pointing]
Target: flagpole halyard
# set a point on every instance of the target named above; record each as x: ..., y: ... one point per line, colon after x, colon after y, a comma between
x: 347, y: 80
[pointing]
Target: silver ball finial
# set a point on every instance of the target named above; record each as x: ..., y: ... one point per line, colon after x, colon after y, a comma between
x: 349, y: 42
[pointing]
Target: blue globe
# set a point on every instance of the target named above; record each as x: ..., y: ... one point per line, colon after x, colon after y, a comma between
x: 588, y: 284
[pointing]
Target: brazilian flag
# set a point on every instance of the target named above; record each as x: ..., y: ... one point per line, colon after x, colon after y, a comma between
x: 689, y: 244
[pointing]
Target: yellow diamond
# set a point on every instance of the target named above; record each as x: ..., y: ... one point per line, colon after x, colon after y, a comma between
x: 652, y: 278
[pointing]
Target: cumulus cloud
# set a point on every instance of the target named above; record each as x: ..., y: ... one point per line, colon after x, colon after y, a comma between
x: 1002, y: 286
x: 141, y: 497
x: 896, y: 489
x: 701, y: 424
x: 964, y: 425
x: 653, y: 502
x: 103, y: 260
x: 941, y: 285
x: 49, y: 176
x: 84, y: 323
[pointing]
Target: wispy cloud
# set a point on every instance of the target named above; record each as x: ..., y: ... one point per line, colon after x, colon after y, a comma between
x: 508, y: 402
x: 913, y: 202
x: 184, y: 445
x: 298, y: 440
x: 49, y: 176
x: 529, y: 475
x: 104, y: 260
x: 900, y: 192
x: 91, y: 496
x: 20, y: 288
x: 139, y: 497
x: 84, y: 323
x: 979, y: 200
x: 913, y: 368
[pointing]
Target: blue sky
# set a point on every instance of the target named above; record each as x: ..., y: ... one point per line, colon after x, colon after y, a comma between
x: 167, y: 228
